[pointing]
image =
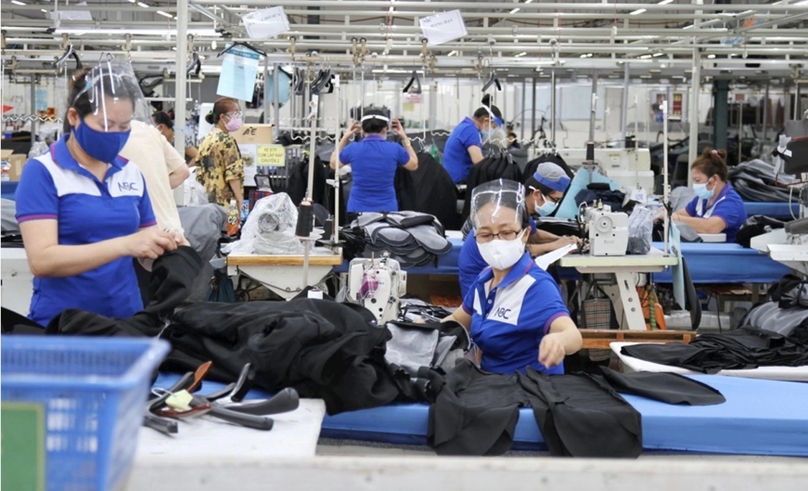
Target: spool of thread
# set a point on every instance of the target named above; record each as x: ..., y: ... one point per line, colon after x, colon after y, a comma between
x: 305, y: 219
x: 590, y: 152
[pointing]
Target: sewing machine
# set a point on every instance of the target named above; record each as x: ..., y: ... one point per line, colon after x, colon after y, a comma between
x: 628, y: 166
x: 378, y: 285
x: 607, y: 231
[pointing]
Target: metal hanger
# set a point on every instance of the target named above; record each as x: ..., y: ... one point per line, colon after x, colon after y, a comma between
x: 414, y: 79
x: 243, y: 44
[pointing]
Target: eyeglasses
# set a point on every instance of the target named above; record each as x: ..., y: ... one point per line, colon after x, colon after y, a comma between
x: 235, y: 114
x: 484, y: 237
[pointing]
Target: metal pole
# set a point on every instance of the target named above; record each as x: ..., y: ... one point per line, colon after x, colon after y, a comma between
x: 180, y: 87
x: 533, y: 103
x: 766, y: 112
x: 276, y: 83
x: 265, y: 118
x: 740, y: 131
x: 33, y: 108
x: 797, y: 103
x: 553, y: 110
x: 624, y: 113
x: 693, y: 113
x: 337, y: 181
x: 524, y: 100
x: 665, y: 185
x: 594, y: 108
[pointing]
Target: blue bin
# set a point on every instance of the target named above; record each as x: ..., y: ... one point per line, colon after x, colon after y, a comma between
x: 93, y: 391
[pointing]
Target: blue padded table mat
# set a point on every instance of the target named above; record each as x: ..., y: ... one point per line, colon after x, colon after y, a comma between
x: 725, y: 263
x: 779, y: 210
x: 760, y: 417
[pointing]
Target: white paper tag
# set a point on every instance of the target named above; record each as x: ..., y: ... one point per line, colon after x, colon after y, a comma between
x: 443, y: 27
x: 266, y: 23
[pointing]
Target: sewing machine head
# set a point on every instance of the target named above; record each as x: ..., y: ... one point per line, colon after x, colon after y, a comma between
x: 377, y: 284
x: 607, y: 231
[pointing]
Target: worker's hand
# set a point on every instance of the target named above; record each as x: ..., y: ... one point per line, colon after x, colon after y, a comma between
x: 149, y: 243
x: 551, y: 351
x: 565, y: 241
x: 179, y: 239
x: 354, y: 129
x: 399, y: 129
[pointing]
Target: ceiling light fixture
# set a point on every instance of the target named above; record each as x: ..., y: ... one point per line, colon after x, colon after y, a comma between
x: 665, y: 2
x: 141, y: 4
x: 528, y: 1
x: 165, y: 14
x: 78, y: 31
x: 453, y: 53
x: 637, y: 12
x: 645, y: 57
x: 17, y: 2
x: 711, y: 56
x: 519, y: 55
x: 657, y: 54
x: 517, y: 9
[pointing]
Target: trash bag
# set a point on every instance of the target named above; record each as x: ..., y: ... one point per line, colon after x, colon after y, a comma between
x: 221, y: 288
x: 641, y: 229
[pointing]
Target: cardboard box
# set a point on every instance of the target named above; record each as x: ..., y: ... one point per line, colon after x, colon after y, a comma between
x: 17, y: 161
x: 5, y: 154
x: 249, y: 138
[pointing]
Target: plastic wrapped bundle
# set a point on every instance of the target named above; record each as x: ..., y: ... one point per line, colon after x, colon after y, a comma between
x: 270, y: 228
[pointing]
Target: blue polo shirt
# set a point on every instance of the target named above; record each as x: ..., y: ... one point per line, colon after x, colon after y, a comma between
x: 728, y: 206
x: 55, y: 187
x: 470, y: 262
x: 373, y: 166
x: 508, y: 322
x: 456, y: 157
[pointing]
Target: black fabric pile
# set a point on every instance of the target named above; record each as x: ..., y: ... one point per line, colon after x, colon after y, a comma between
x: 579, y: 415
x: 499, y: 165
x: 756, y: 181
x: 743, y: 348
x: 429, y: 189
x: 754, y: 226
x: 411, y: 238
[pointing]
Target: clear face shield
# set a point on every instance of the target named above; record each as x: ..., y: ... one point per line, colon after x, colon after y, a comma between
x: 497, y: 204
x: 114, y: 98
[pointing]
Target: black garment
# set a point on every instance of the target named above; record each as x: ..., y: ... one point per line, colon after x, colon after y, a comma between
x: 582, y: 416
x: 172, y: 278
x: 299, y: 182
x: 475, y: 413
x: 754, y: 226
x: 670, y: 388
x: 428, y: 189
x: 742, y: 348
x: 496, y: 166
x: 14, y: 323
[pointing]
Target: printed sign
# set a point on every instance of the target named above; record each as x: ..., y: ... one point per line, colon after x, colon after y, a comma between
x: 266, y: 23
x: 271, y: 155
x: 443, y: 27
x: 239, y: 71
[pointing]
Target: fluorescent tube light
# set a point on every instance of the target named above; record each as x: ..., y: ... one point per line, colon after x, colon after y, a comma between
x: 519, y: 55
x: 517, y: 9
x: 637, y: 12
x: 165, y: 14
x: 17, y: 2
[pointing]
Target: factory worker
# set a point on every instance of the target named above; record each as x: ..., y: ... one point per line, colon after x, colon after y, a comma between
x: 374, y: 162
x: 165, y: 124
x: 717, y: 207
x: 220, y: 168
x: 84, y: 212
x: 544, y: 190
x: 513, y: 310
x: 464, y: 147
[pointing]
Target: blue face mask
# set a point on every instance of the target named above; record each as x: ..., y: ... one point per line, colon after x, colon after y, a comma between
x: 702, y: 192
x: 100, y: 145
x: 545, y: 209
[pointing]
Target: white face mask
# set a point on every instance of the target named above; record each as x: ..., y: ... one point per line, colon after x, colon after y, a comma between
x: 545, y: 209
x: 502, y: 254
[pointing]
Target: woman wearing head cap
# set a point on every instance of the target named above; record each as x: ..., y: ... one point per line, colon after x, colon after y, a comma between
x: 513, y: 309
x: 717, y: 207
x: 544, y: 190
x: 373, y: 162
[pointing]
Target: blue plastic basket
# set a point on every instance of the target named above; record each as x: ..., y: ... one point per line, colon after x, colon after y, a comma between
x: 94, y: 395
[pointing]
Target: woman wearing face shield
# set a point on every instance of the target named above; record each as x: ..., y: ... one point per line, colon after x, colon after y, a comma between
x: 220, y: 168
x: 717, y: 207
x: 544, y: 190
x: 513, y: 310
x: 84, y: 212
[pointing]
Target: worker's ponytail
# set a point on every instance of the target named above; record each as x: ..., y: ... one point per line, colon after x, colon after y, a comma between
x: 712, y: 163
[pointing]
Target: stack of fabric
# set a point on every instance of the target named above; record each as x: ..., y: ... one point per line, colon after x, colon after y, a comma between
x: 756, y: 181
x: 411, y: 238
